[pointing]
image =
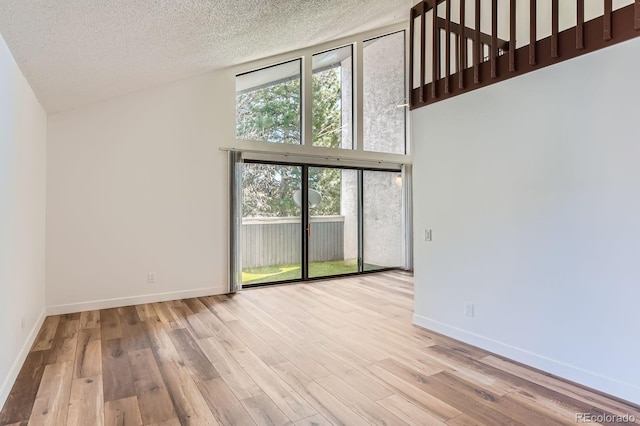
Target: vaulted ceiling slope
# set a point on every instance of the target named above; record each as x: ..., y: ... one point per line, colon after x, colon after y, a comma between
x: 75, y: 52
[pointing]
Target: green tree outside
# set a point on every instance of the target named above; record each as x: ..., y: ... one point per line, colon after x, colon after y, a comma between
x: 273, y: 114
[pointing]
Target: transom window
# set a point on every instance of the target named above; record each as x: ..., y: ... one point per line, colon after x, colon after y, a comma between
x: 268, y: 106
x: 270, y: 101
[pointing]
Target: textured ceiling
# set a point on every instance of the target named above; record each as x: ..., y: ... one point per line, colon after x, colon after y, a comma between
x: 74, y: 52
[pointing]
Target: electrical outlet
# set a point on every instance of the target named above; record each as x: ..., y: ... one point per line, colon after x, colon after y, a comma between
x: 468, y: 309
x: 151, y: 277
x: 427, y: 234
x: 22, y: 323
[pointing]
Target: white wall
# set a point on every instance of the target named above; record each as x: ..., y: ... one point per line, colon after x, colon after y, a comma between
x: 23, y: 127
x: 531, y: 187
x: 137, y: 184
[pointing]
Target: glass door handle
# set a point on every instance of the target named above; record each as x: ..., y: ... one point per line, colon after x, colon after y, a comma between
x: 309, y: 230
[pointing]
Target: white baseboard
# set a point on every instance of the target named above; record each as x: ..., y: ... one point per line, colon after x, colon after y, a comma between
x: 609, y: 385
x: 133, y: 300
x: 22, y: 356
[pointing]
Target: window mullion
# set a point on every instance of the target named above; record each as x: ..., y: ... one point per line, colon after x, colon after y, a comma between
x: 358, y: 122
x: 307, y: 101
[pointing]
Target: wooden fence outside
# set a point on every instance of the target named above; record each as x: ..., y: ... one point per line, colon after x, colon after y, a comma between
x: 277, y: 241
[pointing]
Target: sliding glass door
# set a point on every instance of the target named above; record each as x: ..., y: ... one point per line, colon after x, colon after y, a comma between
x: 271, y: 235
x: 303, y: 222
x: 333, y: 221
x: 382, y: 220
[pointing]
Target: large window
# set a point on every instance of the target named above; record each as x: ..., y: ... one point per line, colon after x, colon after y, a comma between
x: 328, y: 207
x: 384, y: 94
x: 270, y: 102
x: 332, y: 109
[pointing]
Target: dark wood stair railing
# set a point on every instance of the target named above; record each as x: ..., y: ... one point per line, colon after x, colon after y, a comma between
x: 503, y: 59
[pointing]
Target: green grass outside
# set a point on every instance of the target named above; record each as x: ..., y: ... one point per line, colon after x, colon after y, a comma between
x: 266, y: 274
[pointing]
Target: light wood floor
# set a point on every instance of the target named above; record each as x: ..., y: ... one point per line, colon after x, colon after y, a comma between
x: 331, y: 352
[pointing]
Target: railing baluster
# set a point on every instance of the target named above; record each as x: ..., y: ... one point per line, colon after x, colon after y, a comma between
x: 554, y: 28
x: 412, y: 58
x: 494, y: 39
x: 447, y: 43
x: 463, y: 46
x: 533, y: 11
x: 423, y: 54
x: 606, y: 23
x: 512, y: 36
x: 580, y: 26
x: 436, y: 52
x: 476, y: 46
x: 457, y: 52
